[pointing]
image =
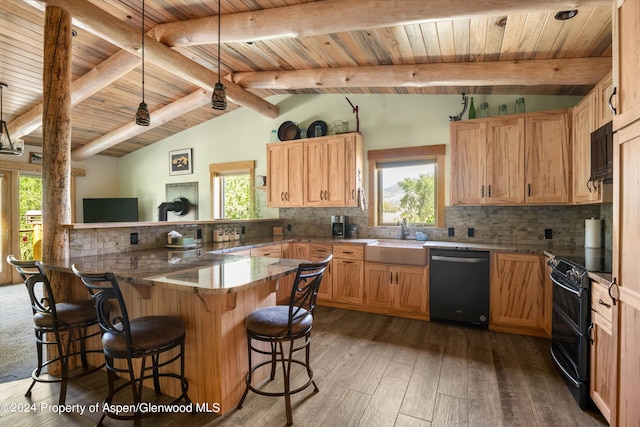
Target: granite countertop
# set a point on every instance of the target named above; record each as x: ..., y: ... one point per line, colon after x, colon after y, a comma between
x: 193, y: 270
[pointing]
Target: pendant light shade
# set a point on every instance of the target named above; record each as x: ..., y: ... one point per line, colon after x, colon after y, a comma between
x: 219, y: 97
x: 8, y: 147
x: 143, y: 118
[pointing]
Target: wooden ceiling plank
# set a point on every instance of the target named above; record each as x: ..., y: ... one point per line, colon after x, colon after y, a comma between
x: 477, y: 38
x: 495, y: 36
x: 586, y: 71
x: 159, y: 117
x: 127, y: 38
x: 461, y: 30
x: 416, y: 41
x: 431, y: 42
x: 514, y: 25
x: 311, y: 19
x: 446, y: 41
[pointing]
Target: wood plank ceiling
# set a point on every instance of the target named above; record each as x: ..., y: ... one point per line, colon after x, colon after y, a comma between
x: 300, y: 46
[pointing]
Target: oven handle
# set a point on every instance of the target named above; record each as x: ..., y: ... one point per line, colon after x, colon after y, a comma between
x: 573, y: 291
x: 564, y: 371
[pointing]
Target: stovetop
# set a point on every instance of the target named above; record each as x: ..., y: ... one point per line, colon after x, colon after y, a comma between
x: 596, y: 260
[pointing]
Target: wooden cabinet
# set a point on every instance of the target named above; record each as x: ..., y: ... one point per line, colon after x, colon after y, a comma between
x: 396, y: 287
x: 626, y: 51
x: 348, y: 273
x: 602, y: 351
x: 316, y: 172
x: 285, y: 174
x: 546, y: 160
x: 590, y: 114
x: 518, y: 294
x: 496, y: 161
x: 625, y: 410
x: 293, y: 250
x: 319, y: 252
x: 602, y: 93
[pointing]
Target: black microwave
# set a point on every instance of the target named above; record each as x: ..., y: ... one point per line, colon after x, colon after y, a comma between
x: 602, y: 154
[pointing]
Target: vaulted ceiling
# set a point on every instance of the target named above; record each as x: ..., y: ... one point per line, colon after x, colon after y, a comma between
x: 288, y: 47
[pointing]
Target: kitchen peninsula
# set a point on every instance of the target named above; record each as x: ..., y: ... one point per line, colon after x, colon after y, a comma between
x: 212, y: 293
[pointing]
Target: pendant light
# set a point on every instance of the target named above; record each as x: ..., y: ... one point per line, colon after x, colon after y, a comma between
x: 219, y: 97
x: 7, y: 146
x: 143, y: 117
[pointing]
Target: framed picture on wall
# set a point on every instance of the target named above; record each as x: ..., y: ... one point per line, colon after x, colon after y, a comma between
x: 180, y: 162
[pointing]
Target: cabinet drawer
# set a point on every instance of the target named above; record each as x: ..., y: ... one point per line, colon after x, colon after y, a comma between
x: 348, y: 251
x: 601, y: 301
x: 319, y: 250
x: 273, y: 251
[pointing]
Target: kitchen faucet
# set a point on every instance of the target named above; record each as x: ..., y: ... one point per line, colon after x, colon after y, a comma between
x: 404, y: 229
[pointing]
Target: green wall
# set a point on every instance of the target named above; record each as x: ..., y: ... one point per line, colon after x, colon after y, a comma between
x: 386, y: 121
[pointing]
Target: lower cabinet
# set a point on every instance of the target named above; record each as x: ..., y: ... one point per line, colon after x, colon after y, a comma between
x: 348, y: 273
x: 519, y: 293
x: 602, y: 349
x: 396, y: 287
x: 319, y: 252
x: 285, y: 284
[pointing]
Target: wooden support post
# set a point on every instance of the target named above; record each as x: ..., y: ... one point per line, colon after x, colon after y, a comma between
x: 56, y: 147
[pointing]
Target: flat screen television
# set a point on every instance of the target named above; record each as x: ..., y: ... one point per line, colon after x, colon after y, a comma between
x: 116, y: 209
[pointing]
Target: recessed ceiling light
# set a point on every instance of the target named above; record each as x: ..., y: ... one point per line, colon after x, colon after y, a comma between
x: 566, y: 14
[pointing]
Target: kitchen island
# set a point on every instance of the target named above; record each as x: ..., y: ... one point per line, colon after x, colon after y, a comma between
x: 211, y: 293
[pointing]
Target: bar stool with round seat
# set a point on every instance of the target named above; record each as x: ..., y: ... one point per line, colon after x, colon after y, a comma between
x: 51, y: 322
x: 134, y: 341
x: 286, y: 324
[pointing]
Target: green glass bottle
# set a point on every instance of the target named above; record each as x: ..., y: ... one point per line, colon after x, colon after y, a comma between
x: 472, y: 110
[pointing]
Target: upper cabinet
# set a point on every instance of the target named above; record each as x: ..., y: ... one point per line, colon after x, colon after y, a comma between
x: 328, y: 171
x: 285, y: 174
x: 589, y: 115
x: 507, y: 160
x: 626, y: 51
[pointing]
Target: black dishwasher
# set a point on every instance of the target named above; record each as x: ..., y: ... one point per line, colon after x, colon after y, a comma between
x: 459, y: 286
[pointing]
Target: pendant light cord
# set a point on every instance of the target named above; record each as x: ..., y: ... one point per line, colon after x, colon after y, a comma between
x: 219, y: 1
x: 142, y: 37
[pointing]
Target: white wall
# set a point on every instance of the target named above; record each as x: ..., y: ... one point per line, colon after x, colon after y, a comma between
x: 386, y: 121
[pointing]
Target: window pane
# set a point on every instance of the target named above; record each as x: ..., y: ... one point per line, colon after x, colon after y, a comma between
x: 407, y: 191
x: 236, y: 199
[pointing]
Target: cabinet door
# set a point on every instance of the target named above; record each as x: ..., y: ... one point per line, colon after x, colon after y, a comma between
x: 602, y: 92
x: 468, y: 163
x: 348, y: 280
x: 517, y: 295
x: 296, y: 251
x: 271, y: 251
x: 325, y: 172
x: 602, y: 366
x: 410, y: 290
x: 378, y: 280
x: 319, y: 252
x: 285, y: 174
x: 547, y: 158
x: 315, y: 172
x: 583, y: 123
x: 335, y: 171
x: 626, y: 51
x: 626, y: 271
x: 354, y: 179
x: 505, y: 154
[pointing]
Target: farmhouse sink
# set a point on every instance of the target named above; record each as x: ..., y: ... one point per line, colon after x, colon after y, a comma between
x: 403, y: 252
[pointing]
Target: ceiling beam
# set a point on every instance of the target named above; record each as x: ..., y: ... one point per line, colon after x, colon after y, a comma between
x: 124, y: 36
x: 159, y: 117
x: 101, y: 76
x: 335, y: 16
x: 576, y: 71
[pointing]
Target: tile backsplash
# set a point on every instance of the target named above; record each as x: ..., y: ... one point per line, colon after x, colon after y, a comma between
x: 499, y: 224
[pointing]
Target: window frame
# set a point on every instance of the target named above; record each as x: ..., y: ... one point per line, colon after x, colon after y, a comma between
x: 425, y: 152
x: 218, y: 170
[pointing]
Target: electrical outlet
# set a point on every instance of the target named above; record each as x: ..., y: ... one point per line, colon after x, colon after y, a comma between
x: 471, y: 232
x: 134, y: 238
x: 288, y: 227
x: 199, y: 233
x: 452, y: 232
x: 548, y: 233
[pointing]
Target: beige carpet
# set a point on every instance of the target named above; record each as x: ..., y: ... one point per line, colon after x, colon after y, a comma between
x: 17, y: 342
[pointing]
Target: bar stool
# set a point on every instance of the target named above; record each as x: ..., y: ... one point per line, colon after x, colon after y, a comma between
x: 282, y: 324
x: 52, y: 321
x: 138, y: 339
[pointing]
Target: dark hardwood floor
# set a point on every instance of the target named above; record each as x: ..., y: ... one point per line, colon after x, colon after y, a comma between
x: 374, y: 371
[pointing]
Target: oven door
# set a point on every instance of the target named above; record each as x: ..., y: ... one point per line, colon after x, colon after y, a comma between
x: 569, y: 346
